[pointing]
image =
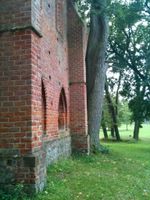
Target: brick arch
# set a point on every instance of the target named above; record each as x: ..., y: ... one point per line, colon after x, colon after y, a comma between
x: 43, y: 107
x: 62, y: 111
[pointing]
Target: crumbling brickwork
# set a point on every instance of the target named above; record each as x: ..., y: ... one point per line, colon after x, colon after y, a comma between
x: 43, y: 113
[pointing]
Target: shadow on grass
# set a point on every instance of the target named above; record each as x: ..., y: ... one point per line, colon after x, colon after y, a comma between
x: 113, y: 140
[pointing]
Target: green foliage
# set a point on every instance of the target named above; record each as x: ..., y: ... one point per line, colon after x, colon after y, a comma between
x: 83, y: 8
x: 102, y: 149
x: 125, y: 113
x: 13, y: 193
x: 129, y: 52
x: 106, y: 115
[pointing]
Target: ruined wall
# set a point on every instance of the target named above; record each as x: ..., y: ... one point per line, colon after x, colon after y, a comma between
x: 33, y: 62
x: 15, y: 90
x: 77, y: 41
x: 50, y: 69
x: 38, y: 107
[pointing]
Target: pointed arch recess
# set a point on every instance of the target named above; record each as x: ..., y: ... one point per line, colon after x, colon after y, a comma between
x: 62, y: 111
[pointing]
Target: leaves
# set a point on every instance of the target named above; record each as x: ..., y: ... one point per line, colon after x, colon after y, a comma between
x: 129, y: 52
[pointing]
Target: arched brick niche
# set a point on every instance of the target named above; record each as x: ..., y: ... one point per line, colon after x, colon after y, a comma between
x: 43, y: 108
x: 60, y: 16
x: 62, y: 111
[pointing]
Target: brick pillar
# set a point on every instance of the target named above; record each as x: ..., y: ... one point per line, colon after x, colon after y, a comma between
x: 77, y: 75
x: 19, y: 162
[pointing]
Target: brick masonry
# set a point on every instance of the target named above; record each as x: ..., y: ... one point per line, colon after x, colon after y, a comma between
x: 43, y: 111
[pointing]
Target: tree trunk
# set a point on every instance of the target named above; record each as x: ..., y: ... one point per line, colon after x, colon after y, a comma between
x: 117, y: 132
x: 96, y: 69
x: 112, y: 132
x: 112, y: 112
x: 138, y: 112
x: 104, y: 130
x: 136, y: 130
x: 117, y: 93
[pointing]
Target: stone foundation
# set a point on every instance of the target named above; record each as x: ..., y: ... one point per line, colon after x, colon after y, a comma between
x: 9, y: 160
x: 57, y: 149
x: 31, y: 169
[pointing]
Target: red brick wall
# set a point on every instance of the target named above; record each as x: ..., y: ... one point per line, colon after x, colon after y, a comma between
x: 50, y: 65
x: 77, y: 75
x: 33, y: 52
x: 14, y: 13
x: 15, y: 90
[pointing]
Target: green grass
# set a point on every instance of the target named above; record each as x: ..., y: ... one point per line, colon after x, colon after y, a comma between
x: 144, y: 133
x: 124, y: 174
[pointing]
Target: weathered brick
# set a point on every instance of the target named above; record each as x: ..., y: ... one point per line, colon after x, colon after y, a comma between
x: 42, y: 86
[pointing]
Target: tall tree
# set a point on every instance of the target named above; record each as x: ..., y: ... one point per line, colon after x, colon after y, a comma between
x: 95, y: 13
x: 130, y: 49
x: 96, y: 69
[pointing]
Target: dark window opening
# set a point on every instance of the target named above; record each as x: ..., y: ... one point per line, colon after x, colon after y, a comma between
x: 43, y: 109
x: 62, y: 117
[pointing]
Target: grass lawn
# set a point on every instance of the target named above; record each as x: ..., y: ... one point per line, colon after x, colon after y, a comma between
x: 124, y: 174
x: 144, y: 133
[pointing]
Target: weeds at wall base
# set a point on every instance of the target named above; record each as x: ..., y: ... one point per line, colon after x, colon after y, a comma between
x: 12, y: 192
